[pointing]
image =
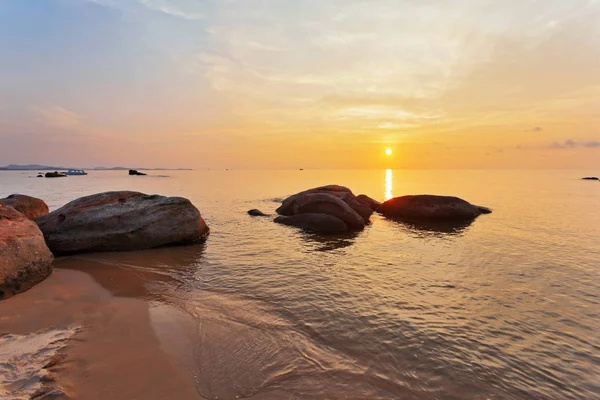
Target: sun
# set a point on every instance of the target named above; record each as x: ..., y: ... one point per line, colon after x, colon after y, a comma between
x: 388, y: 152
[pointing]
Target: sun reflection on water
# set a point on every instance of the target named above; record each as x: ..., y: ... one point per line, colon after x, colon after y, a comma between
x: 388, y: 184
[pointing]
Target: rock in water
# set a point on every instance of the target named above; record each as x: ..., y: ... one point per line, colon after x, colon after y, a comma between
x: 257, y: 213
x: 591, y: 178
x: 369, y: 202
x: 135, y: 172
x: 323, y: 203
x: 314, y: 222
x: 25, y: 260
x: 55, y: 174
x: 31, y: 207
x: 120, y: 221
x: 363, y: 209
x: 287, y: 205
x: 430, y: 207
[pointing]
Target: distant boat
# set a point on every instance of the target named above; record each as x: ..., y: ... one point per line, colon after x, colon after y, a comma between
x: 75, y: 172
x: 55, y: 174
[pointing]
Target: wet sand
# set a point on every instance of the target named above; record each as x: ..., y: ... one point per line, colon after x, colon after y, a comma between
x: 116, y: 354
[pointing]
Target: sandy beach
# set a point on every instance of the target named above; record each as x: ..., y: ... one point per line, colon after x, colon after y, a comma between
x: 115, y: 354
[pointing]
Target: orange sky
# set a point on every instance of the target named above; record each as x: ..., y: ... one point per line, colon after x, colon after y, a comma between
x: 271, y: 84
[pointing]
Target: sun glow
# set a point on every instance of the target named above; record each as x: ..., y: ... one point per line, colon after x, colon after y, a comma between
x: 388, y: 152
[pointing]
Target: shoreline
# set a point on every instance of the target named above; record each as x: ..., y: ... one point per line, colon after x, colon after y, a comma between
x: 116, y: 336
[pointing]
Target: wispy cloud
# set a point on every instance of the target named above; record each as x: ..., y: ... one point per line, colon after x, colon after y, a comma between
x: 570, y: 144
x: 55, y: 116
x: 184, y: 9
x: 434, y: 58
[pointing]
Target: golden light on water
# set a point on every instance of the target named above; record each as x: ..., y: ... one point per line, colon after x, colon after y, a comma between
x: 388, y: 184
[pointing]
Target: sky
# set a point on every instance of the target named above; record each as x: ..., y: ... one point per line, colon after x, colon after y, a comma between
x: 301, y: 83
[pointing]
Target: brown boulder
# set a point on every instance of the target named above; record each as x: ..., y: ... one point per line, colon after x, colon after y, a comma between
x: 25, y: 260
x: 314, y: 222
x: 31, y: 207
x: 287, y: 206
x: 323, y: 203
x: 430, y: 207
x: 120, y: 221
x: 341, y: 192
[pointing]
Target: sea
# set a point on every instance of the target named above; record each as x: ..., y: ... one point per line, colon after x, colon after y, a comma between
x: 506, y: 307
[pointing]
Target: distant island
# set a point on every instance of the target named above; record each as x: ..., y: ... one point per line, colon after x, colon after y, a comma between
x: 37, y: 167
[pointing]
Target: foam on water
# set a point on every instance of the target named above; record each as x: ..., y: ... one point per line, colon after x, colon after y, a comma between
x: 25, y: 359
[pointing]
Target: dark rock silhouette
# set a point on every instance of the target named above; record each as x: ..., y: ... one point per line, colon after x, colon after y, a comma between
x: 430, y: 207
x: 55, y: 174
x: 314, y: 222
x: 25, y: 260
x: 257, y: 213
x: 119, y: 221
x: 31, y: 207
x: 135, y: 172
x: 591, y: 178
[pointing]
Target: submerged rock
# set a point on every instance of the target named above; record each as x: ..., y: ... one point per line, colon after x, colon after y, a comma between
x: 25, y: 260
x: 314, y: 222
x: 31, y: 207
x: 120, y: 221
x: 257, y: 213
x: 431, y: 207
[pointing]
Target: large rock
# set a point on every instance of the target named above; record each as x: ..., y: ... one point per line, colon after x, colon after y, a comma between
x: 430, y: 207
x: 31, y: 207
x: 119, y: 221
x: 24, y: 257
x: 323, y: 203
x: 343, y: 193
x: 314, y: 222
x: 287, y: 206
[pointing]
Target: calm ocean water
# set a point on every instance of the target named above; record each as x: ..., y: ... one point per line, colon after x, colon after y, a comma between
x: 505, y: 308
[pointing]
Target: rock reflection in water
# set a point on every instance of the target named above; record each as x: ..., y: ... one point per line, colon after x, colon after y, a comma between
x: 320, y: 242
x: 427, y: 228
x: 136, y: 269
